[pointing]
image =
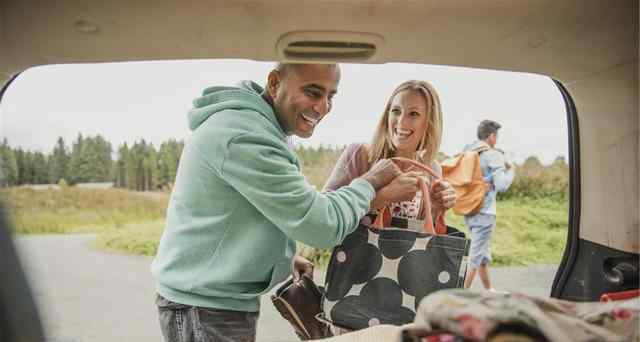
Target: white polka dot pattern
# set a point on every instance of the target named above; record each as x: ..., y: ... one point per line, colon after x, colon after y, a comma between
x: 444, y: 277
x: 379, y: 277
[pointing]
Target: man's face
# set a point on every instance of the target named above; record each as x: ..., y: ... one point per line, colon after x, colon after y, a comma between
x: 302, y: 96
x: 493, y: 139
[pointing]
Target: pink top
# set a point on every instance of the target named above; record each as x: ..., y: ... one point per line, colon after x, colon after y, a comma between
x: 353, y: 163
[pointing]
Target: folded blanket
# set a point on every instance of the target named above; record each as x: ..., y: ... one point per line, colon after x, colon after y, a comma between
x: 480, y: 315
x: 465, y: 315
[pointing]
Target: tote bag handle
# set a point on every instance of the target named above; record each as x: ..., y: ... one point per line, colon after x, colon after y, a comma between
x: 384, y: 218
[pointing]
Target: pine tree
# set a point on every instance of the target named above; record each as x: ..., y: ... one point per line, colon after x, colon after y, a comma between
x: 59, y: 162
x: 136, y: 172
x: 78, y: 165
x: 131, y: 167
x: 102, y: 161
x: 28, y: 170
x: 168, y: 157
x: 151, y: 168
x: 20, y: 163
x: 121, y: 179
x: 39, y: 168
x: 9, y: 165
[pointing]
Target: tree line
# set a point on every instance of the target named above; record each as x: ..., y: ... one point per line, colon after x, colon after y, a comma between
x: 90, y: 159
x: 139, y: 167
x: 143, y: 167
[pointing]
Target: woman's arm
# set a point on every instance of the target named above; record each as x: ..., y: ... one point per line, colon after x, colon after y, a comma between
x: 348, y: 167
x: 353, y: 163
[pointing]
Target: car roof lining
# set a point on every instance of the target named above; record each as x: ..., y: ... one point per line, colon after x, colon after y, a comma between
x: 538, y: 36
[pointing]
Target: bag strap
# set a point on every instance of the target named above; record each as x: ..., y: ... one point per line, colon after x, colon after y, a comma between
x: 384, y: 217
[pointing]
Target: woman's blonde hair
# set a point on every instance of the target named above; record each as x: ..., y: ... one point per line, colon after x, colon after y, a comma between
x: 381, y: 146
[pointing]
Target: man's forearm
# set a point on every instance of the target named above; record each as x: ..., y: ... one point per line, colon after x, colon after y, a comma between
x: 502, y: 179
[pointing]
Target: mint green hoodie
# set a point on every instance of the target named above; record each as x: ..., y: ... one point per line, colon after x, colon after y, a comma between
x: 239, y: 203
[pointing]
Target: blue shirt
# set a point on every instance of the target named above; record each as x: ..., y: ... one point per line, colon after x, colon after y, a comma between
x: 495, y: 174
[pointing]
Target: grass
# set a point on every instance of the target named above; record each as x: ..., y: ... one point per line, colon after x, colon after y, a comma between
x: 528, y: 231
x: 76, y: 210
x: 135, y: 238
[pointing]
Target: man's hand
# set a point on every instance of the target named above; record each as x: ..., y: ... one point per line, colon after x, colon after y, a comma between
x: 301, y: 266
x: 443, y: 196
x: 382, y: 173
x: 401, y: 188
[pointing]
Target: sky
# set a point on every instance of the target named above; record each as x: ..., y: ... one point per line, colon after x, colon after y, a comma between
x: 125, y: 102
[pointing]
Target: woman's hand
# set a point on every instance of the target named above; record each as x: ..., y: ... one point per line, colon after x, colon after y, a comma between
x: 443, y: 196
x: 301, y: 266
x: 401, y: 188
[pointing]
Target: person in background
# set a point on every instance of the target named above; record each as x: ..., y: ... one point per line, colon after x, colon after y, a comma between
x: 498, y: 176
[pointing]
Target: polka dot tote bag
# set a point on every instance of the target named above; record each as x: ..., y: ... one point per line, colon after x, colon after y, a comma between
x: 382, y: 270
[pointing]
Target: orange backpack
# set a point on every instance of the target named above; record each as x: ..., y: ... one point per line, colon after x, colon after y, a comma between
x: 464, y: 173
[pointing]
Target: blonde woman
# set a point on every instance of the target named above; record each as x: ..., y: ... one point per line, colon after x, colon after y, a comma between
x: 410, y: 127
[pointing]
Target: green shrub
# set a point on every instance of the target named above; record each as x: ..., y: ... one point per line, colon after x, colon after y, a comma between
x: 534, y: 181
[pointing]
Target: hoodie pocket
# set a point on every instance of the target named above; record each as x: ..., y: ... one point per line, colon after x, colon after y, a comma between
x: 281, y: 271
x: 240, y: 290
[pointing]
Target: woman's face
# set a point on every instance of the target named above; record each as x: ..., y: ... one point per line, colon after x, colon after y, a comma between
x: 407, y: 121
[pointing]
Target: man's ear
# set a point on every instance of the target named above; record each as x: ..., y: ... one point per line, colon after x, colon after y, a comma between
x: 273, y: 83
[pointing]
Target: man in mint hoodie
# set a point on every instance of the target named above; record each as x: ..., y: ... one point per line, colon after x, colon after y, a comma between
x: 240, y: 202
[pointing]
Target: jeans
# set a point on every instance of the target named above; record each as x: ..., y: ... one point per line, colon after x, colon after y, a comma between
x: 185, y: 323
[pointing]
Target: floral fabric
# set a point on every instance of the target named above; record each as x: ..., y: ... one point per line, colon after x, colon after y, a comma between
x: 407, y: 209
x: 476, y: 315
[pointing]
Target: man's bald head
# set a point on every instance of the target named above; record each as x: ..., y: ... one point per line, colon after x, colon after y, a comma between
x: 285, y: 68
x: 302, y: 94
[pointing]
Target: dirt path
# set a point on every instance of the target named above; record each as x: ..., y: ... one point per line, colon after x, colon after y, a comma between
x: 85, y: 295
